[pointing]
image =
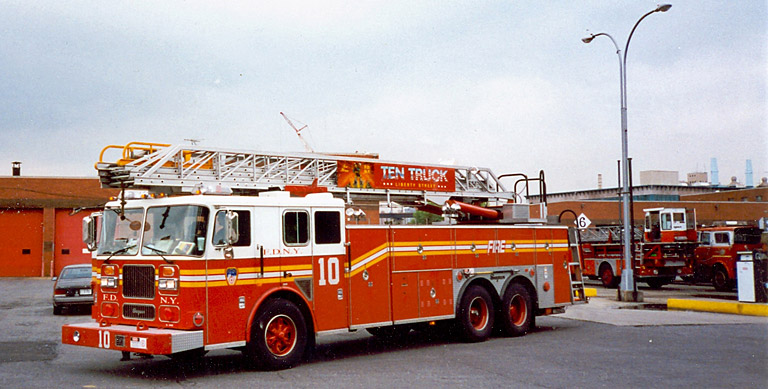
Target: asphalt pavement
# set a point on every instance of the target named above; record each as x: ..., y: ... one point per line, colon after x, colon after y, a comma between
x: 605, y: 343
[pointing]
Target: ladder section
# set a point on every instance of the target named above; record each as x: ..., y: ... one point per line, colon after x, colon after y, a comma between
x: 578, y: 295
x: 183, y: 168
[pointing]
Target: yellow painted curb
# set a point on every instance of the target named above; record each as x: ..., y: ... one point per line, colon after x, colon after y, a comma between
x: 590, y: 292
x: 751, y: 309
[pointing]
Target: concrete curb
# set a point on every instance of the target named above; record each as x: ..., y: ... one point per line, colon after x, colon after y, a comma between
x: 751, y: 309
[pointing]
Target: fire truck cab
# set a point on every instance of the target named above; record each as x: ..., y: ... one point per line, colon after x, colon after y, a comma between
x: 718, y: 250
x: 669, y: 225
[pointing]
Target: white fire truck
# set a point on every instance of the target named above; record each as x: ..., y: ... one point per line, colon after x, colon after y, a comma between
x: 207, y: 249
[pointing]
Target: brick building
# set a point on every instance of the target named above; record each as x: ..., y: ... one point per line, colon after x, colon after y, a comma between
x: 40, y: 223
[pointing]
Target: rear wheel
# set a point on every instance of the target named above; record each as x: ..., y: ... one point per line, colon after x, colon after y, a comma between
x: 476, y: 314
x: 720, y: 280
x: 607, y: 277
x: 278, y: 335
x: 516, y: 314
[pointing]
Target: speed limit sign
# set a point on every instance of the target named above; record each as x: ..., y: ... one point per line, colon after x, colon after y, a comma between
x: 583, y: 221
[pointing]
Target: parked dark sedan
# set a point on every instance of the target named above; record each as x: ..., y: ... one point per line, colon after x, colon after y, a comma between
x: 72, y: 288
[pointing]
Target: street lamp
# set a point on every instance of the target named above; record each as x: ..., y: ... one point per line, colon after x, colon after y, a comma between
x: 627, y: 287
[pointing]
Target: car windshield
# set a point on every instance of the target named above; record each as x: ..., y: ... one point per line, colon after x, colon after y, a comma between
x: 76, y: 272
x: 120, y: 235
x: 175, y: 230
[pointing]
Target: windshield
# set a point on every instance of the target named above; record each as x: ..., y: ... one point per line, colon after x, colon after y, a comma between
x: 175, y: 230
x: 120, y: 235
x: 76, y: 272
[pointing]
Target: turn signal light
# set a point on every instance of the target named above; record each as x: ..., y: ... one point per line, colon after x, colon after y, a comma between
x: 169, y: 314
x: 168, y: 271
x: 109, y: 270
x: 109, y: 310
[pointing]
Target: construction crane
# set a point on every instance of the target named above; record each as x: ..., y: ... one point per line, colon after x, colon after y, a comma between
x: 298, y: 132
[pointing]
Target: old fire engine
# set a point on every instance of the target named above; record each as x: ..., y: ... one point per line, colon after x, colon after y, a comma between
x: 663, y: 250
x: 207, y: 255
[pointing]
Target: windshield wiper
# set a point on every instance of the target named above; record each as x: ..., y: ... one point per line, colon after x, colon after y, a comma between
x: 116, y: 252
x: 159, y: 252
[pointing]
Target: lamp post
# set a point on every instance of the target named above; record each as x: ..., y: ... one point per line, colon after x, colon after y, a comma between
x: 628, y: 291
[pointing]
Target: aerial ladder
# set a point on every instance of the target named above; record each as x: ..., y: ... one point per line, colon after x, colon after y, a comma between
x: 177, y: 169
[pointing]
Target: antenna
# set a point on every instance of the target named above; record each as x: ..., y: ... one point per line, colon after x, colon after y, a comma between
x: 193, y: 141
x: 298, y: 132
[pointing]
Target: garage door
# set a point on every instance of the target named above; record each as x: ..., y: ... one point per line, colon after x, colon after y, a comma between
x: 69, y: 247
x: 21, y: 243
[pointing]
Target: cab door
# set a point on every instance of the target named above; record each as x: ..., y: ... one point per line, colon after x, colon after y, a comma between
x: 328, y: 269
x: 227, y: 269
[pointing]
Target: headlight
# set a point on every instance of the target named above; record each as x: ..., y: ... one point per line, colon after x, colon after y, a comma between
x: 109, y: 282
x: 167, y: 284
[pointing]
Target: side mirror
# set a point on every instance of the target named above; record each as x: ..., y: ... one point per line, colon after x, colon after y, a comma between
x: 233, y: 227
x: 90, y: 236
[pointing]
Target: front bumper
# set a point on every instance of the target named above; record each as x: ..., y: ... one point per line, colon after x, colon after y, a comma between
x: 68, y: 301
x: 130, y: 338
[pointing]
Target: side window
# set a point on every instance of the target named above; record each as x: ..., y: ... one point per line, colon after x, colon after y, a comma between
x: 327, y: 227
x: 666, y: 222
x: 721, y: 238
x: 243, y: 226
x: 296, y: 227
x: 705, y: 239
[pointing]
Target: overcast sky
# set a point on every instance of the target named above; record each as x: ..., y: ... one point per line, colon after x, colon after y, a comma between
x: 507, y: 85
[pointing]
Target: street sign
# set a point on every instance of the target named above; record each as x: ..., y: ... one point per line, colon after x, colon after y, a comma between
x: 583, y: 221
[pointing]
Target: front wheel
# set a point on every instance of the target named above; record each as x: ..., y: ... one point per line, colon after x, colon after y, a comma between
x: 607, y: 277
x: 720, y: 280
x: 278, y: 335
x: 476, y: 313
x: 516, y: 314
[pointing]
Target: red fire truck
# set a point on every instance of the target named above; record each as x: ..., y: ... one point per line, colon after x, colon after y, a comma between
x: 663, y: 249
x: 718, y: 250
x: 200, y: 252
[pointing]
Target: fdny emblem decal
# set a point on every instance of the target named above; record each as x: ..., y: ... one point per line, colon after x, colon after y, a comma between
x: 231, y: 275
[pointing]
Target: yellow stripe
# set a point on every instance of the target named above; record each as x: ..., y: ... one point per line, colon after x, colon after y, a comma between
x: 368, y: 254
x: 381, y: 258
x: 423, y: 244
x: 201, y: 284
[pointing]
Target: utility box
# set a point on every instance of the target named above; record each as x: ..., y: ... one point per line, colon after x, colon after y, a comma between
x: 752, y: 276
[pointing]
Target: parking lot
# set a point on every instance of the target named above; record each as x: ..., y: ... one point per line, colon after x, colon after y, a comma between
x: 604, y: 343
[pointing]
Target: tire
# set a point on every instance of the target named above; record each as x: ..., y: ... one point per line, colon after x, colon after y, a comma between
x: 476, y: 314
x: 278, y: 336
x: 516, y: 314
x: 607, y: 277
x: 720, y: 280
x: 57, y: 309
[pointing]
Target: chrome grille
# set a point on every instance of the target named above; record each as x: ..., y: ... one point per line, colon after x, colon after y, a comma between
x: 139, y: 281
x: 139, y: 311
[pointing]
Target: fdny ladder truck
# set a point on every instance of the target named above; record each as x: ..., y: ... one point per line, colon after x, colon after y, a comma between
x: 663, y: 248
x: 210, y: 249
